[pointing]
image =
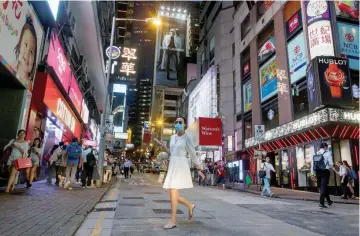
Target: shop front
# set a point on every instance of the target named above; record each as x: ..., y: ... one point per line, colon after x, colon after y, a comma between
x: 51, y: 117
x: 291, y: 146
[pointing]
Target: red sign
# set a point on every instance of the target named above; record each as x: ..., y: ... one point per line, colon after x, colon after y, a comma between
x: 57, y: 60
x: 293, y: 24
x: 75, y: 94
x: 210, y: 131
x: 246, y: 68
x: 58, y: 105
x: 88, y: 142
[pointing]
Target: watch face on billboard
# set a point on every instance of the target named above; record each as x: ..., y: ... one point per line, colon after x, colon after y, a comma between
x: 335, y: 81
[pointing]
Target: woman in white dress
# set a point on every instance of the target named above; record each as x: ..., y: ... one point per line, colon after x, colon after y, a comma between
x: 178, y: 174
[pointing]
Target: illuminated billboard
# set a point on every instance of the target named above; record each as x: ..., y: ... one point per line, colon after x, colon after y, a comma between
x: 171, y: 47
x: 118, y: 102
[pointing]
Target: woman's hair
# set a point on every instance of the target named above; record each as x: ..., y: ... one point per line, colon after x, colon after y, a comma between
x: 39, y: 145
x: 347, y: 164
x: 27, y: 26
x: 22, y: 130
x: 53, y: 149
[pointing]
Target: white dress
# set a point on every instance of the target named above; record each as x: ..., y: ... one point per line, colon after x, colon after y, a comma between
x: 178, y: 174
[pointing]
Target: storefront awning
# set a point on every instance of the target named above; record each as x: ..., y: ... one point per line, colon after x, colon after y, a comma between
x: 317, y: 125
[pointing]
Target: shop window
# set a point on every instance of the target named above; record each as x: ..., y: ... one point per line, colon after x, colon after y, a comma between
x: 300, y: 99
x: 247, y: 124
x: 212, y: 50
x: 245, y: 63
x: 270, y: 114
x: 245, y: 26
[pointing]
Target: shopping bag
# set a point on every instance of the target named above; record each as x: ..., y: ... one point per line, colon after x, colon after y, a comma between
x: 248, y: 180
x: 22, y: 163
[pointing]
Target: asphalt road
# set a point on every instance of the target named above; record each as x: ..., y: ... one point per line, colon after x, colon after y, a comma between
x: 140, y: 207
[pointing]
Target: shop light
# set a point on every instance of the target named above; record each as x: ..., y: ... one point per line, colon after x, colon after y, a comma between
x: 346, y: 130
x: 327, y: 135
x: 174, y: 9
x: 299, y: 137
x: 356, y: 156
x: 185, y: 10
x: 162, y: 7
x: 161, y: 13
x: 179, y: 10
x: 285, y: 144
x: 168, y: 8
x: 313, y: 134
x: 318, y: 133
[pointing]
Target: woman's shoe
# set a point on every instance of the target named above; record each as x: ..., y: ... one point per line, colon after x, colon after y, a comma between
x: 191, y: 212
x: 169, y: 225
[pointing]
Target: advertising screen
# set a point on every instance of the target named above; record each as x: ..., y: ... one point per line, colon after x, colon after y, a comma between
x: 247, y: 96
x: 297, y: 57
x: 84, y: 112
x: 118, y: 107
x: 268, y: 79
x: 171, y: 52
x: 266, y: 50
x: 349, y: 43
x: 293, y: 24
x: 57, y: 60
x: 347, y: 9
x: 19, y: 25
x: 75, y: 94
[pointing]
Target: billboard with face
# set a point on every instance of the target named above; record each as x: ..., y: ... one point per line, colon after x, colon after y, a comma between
x: 171, y: 52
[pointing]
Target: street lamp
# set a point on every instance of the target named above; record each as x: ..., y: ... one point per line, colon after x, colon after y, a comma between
x: 155, y: 21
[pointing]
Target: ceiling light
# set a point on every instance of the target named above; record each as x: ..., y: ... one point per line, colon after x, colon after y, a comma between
x: 174, y: 9
x: 161, y: 13
x: 162, y: 7
x: 168, y: 8
x: 185, y: 11
x: 179, y: 10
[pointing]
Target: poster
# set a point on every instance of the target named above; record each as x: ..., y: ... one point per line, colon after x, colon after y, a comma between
x: 19, y: 24
x: 266, y: 50
x: 297, y: 57
x: 349, y: 43
x: 347, y: 9
x: 293, y: 24
x: 75, y: 94
x: 171, y: 52
x: 268, y: 79
x: 247, y: 96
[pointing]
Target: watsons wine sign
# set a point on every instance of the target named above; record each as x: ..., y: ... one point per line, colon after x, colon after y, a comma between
x: 210, y: 131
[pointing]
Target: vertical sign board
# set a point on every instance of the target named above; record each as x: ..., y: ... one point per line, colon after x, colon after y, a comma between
x: 210, y: 131
x: 259, y: 132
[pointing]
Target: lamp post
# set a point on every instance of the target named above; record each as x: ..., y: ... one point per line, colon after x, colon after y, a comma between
x: 157, y: 22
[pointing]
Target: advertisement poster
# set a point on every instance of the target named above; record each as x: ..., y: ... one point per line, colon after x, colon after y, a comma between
x: 347, y: 9
x: 268, y: 79
x: 317, y: 10
x: 334, y: 80
x: 75, y: 94
x: 349, y: 43
x: 246, y: 69
x: 293, y: 24
x: 247, y: 96
x: 171, y: 52
x: 19, y: 24
x: 266, y: 50
x: 297, y: 57
x: 312, y: 85
x: 57, y: 60
x: 210, y: 131
x: 84, y: 112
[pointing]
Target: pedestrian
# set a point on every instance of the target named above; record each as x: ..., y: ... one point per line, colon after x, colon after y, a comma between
x: 19, y: 149
x: 50, y: 163
x: 236, y: 174
x: 202, y: 178
x: 351, y: 178
x: 56, y: 159
x: 108, y: 160
x: 73, y: 160
x: 267, y: 167
x: 344, y: 179
x: 321, y: 164
x: 221, y: 175
x: 95, y: 175
x: 88, y: 164
x: 35, y: 155
x: 178, y: 174
x: 127, y: 166
x: 210, y: 174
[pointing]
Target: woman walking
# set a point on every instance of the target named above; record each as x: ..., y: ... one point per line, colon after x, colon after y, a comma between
x: 19, y: 150
x: 343, y: 173
x: 35, y: 155
x: 351, y: 178
x: 178, y: 175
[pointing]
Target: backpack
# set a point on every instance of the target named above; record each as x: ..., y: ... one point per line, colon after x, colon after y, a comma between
x: 74, y: 151
x: 90, y: 159
x: 59, y: 158
x: 319, y: 162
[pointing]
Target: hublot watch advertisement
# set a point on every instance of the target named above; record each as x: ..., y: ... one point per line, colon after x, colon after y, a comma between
x: 329, y: 82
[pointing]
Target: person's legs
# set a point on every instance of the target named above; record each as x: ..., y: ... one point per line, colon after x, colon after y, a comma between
x: 266, y: 187
x: 327, y: 195
x: 110, y: 173
x: 323, y: 184
x: 27, y: 174
x: 73, y: 172
x: 57, y: 168
x: 50, y: 173
x: 89, y: 175
x: 11, y: 183
x: 33, y: 173
x: 174, y: 193
x: 83, y: 176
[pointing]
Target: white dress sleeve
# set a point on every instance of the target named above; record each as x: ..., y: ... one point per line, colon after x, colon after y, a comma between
x: 190, y: 148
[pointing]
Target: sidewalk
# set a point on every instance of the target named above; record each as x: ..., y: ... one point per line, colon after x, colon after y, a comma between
x: 46, y: 209
x: 290, y: 194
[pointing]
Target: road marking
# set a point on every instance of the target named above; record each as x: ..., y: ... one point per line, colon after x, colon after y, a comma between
x: 97, y: 230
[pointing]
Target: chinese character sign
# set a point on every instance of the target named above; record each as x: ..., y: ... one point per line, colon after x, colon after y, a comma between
x: 282, y: 85
x: 21, y: 36
x: 128, y: 68
x: 319, y: 28
x: 129, y: 53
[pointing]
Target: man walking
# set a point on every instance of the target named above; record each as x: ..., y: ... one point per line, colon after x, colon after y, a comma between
x: 321, y: 164
x: 89, y: 162
x: 127, y: 166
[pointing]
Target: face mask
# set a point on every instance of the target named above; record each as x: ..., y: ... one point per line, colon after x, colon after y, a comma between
x: 179, y: 127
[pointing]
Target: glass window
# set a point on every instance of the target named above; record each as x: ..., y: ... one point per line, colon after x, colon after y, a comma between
x: 245, y: 27
x: 300, y: 101
x: 212, y: 50
x: 248, y: 126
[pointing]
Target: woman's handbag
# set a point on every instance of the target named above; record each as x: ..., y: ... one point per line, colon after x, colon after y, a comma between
x: 248, y: 180
x: 262, y: 173
x: 23, y: 163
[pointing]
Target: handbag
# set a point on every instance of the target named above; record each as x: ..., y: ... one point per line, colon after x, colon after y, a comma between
x: 248, y: 180
x: 22, y: 163
x: 262, y: 173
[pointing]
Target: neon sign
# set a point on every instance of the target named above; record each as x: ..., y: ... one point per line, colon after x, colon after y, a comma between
x: 65, y: 114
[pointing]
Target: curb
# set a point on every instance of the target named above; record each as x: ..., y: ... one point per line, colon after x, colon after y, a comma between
x: 295, y: 198
x: 78, y: 225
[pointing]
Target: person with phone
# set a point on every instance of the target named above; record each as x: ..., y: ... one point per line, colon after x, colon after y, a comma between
x: 178, y: 175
